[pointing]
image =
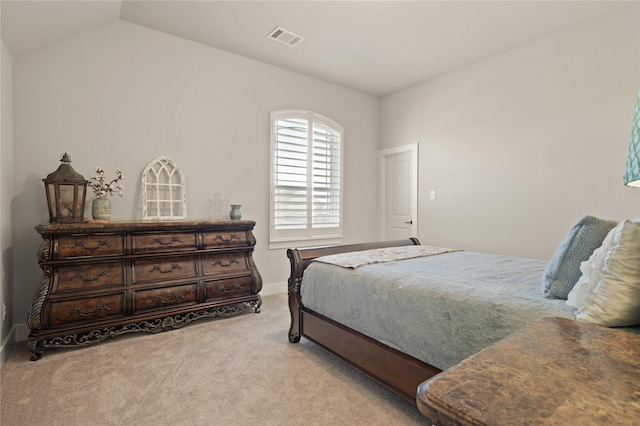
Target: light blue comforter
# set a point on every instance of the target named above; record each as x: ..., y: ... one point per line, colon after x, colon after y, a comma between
x: 439, y: 309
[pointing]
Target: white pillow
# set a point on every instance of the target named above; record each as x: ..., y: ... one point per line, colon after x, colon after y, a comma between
x: 579, y: 294
x: 615, y: 297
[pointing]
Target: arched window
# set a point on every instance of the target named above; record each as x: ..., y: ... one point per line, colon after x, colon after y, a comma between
x: 306, y: 177
x: 164, y: 194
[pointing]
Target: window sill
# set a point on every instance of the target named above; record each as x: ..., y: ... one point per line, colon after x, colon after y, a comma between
x: 277, y: 245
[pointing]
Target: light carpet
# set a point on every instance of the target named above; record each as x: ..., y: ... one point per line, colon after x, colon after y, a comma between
x: 238, y: 370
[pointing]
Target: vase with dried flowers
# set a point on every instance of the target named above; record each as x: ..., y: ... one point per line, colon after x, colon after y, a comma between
x: 101, y: 206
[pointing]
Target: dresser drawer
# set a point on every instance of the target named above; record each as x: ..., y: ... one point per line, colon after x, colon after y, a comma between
x: 225, y: 263
x: 86, y: 309
x: 94, y: 275
x: 220, y: 289
x: 162, y: 298
x: 225, y: 239
x: 163, y: 268
x: 69, y: 246
x: 155, y: 242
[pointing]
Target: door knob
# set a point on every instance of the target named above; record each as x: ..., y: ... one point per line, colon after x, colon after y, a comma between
x: 410, y: 222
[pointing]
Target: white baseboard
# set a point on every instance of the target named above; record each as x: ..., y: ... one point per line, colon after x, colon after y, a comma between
x: 8, y: 346
x: 19, y: 333
x: 274, y: 288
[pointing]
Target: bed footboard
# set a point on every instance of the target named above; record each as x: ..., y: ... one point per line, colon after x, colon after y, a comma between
x: 300, y: 259
x: 391, y: 368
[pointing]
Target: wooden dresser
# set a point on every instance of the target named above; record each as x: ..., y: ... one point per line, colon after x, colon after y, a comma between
x: 104, y: 279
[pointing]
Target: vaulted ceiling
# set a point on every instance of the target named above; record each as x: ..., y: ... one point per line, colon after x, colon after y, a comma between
x: 375, y: 47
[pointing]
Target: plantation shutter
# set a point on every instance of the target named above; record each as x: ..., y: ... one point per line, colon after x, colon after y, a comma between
x: 291, y: 157
x: 326, y: 177
x: 306, y: 177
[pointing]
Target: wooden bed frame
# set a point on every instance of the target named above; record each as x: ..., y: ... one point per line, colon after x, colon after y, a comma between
x: 391, y: 368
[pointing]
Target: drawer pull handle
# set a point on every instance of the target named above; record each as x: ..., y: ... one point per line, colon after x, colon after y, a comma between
x: 221, y: 238
x: 168, y: 243
x: 174, y: 299
x: 225, y: 265
x: 158, y: 268
x: 225, y: 291
x: 99, y: 308
x: 81, y: 276
x: 101, y: 243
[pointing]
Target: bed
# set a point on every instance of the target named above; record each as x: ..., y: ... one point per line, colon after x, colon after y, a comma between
x: 473, y: 300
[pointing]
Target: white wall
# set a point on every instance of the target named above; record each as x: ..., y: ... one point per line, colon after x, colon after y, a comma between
x: 7, y: 336
x: 521, y: 145
x: 120, y: 95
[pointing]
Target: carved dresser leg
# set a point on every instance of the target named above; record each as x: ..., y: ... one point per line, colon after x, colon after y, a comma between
x: 36, y: 349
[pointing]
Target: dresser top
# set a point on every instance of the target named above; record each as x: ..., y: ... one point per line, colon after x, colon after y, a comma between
x: 147, y: 225
x: 555, y: 371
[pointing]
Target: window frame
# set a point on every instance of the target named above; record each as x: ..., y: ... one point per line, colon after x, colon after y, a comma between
x: 309, y: 235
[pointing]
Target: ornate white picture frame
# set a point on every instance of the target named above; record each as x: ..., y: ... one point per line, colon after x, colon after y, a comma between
x: 164, y: 192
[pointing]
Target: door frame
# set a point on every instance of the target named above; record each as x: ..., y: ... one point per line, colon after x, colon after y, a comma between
x: 383, y: 154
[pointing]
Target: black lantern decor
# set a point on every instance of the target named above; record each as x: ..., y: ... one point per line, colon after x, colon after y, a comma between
x: 66, y: 190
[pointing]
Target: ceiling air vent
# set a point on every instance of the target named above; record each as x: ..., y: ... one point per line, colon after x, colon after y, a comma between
x: 284, y: 36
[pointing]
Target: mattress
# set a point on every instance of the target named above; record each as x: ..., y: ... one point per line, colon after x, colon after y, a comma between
x: 439, y: 309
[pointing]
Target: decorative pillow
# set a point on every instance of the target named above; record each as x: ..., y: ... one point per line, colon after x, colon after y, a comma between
x: 563, y: 269
x: 615, y: 298
x: 579, y: 294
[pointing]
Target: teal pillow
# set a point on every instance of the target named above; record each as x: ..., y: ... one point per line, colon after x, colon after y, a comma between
x: 563, y: 269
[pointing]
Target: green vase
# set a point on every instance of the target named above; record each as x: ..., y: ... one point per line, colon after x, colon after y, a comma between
x: 235, y: 211
x: 101, y: 208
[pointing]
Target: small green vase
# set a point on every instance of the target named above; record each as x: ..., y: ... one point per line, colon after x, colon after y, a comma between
x: 235, y: 211
x: 101, y: 208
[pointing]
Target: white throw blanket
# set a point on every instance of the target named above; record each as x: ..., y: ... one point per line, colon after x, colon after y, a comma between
x: 357, y: 259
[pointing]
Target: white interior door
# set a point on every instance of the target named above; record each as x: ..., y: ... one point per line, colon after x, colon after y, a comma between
x: 399, y: 192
